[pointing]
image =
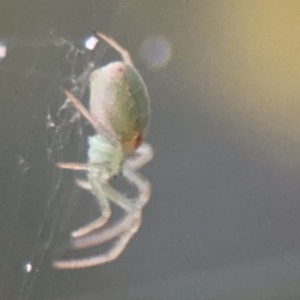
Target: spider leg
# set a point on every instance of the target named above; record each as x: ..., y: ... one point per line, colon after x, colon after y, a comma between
x: 97, y: 190
x: 117, y: 229
x: 79, y: 106
x: 118, y: 198
x: 142, y: 155
x: 123, y: 52
x: 126, y: 227
x: 105, y: 211
x: 145, y: 154
x: 95, y: 123
x: 84, y: 184
x: 110, y: 255
x: 73, y: 166
x: 124, y: 224
x: 100, y: 196
x: 133, y: 208
x: 143, y: 186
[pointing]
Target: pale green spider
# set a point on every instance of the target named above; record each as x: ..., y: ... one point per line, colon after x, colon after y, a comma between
x: 120, y: 113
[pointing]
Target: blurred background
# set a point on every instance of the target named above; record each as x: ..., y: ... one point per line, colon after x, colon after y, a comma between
x: 224, y: 217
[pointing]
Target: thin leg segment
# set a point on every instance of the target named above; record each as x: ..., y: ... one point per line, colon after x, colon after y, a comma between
x: 95, y: 123
x: 119, y: 199
x: 123, y: 52
x: 104, y: 207
x: 84, y: 184
x: 79, y: 106
x: 73, y: 166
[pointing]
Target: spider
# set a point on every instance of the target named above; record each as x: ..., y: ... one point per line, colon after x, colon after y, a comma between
x: 119, y: 111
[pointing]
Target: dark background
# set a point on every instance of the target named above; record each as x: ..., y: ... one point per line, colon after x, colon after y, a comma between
x: 224, y: 217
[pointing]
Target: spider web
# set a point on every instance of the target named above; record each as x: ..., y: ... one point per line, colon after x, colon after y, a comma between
x: 54, y: 132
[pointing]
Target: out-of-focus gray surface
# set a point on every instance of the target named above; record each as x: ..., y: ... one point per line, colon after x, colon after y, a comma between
x: 224, y: 217
x: 276, y: 278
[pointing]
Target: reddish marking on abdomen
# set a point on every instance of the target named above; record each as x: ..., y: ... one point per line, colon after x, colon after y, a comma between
x: 135, y: 142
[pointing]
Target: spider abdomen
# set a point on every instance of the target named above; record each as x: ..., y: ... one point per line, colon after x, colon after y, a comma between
x: 120, y: 101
